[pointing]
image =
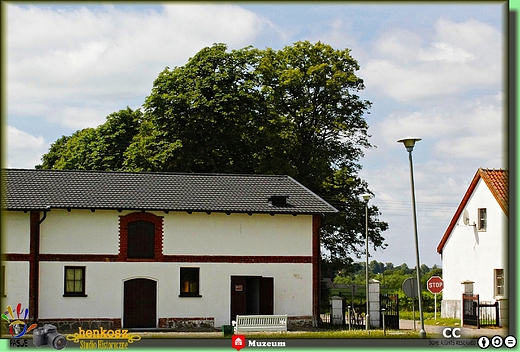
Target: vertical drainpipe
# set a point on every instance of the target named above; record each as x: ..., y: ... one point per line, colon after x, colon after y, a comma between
x: 34, y: 262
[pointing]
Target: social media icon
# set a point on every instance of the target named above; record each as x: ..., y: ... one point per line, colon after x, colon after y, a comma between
x: 483, y: 342
x: 510, y: 341
x: 497, y: 341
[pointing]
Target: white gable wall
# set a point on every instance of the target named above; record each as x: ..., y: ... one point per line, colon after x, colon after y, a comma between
x: 473, y: 255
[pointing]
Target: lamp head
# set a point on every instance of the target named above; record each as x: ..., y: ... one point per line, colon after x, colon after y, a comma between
x: 409, y: 142
x: 366, y: 196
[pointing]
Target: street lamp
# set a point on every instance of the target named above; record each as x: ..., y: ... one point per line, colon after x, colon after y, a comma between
x: 366, y: 198
x: 409, y: 143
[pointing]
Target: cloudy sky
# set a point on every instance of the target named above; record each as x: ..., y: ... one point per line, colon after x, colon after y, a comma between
x: 432, y: 71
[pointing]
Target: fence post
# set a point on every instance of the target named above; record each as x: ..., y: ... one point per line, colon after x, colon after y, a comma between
x: 497, y: 309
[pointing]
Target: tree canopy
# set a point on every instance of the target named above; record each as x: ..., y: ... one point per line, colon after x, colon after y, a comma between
x: 294, y: 111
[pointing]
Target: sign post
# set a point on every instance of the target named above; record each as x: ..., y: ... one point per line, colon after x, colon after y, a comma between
x: 410, y: 290
x: 435, y: 285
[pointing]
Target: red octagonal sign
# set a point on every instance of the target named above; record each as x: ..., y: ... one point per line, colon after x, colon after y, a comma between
x: 435, y: 284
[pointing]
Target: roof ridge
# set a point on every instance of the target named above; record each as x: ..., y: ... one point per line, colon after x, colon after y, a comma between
x: 149, y: 172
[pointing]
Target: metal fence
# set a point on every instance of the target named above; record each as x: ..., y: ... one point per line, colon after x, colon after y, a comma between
x: 476, y: 313
x: 353, y: 319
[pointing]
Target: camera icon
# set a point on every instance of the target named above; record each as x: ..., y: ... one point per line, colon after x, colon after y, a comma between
x: 48, y: 335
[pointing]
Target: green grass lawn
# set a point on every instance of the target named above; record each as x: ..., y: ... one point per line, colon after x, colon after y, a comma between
x: 429, y: 318
x: 328, y: 334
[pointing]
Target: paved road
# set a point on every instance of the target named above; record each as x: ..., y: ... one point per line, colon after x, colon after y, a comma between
x: 436, y: 331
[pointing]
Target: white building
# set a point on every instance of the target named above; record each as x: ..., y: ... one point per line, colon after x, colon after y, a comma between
x: 474, y: 247
x: 158, y: 250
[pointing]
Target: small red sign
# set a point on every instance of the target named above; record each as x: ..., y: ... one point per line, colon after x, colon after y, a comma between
x: 238, y: 341
x: 435, y: 284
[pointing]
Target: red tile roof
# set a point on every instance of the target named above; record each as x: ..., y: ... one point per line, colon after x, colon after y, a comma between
x: 497, y: 182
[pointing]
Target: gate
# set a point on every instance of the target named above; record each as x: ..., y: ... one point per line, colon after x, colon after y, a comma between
x: 470, y: 309
x: 390, y: 303
x: 479, y: 314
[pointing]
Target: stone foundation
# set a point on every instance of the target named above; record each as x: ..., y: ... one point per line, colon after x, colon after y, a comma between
x: 188, y: 324
x: 300, y: 323
x: 68, y: 326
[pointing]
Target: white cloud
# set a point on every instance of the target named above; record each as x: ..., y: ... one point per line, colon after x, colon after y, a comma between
x: 24, y: 148
x: 460, y: 56
x: 473, y: 128
x: 445, y: 52
x: 107, y: 56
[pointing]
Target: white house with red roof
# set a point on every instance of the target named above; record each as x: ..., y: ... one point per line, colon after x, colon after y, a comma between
x: 159, y: 250
x: 474, y: 248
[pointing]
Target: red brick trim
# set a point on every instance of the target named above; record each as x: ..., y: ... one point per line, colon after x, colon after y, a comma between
x: 316, y: 257
x: 34, y: 248
x: 123, y: 235
x: 236, y: 259
x: 166, y: 258
x: 16, y: 257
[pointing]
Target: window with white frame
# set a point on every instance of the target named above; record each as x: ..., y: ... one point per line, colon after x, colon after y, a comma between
x: 482, y: 219
x: 499, y: 282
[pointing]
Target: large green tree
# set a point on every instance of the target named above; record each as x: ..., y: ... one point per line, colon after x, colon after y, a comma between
x: 294, y: 111
x: 98, y: 148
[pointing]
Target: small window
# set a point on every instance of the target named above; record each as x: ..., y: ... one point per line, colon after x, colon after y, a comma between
x: 189, y: 282
x: 74, y: 281
x: 499, y: 282
x: 482, y: 219
x: 141, y: 240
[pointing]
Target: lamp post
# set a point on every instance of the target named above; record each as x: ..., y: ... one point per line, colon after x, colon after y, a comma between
x: 409, y: 143
x: 366, y: 198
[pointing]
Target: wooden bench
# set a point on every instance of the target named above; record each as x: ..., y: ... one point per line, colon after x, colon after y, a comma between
x: 260, y: 323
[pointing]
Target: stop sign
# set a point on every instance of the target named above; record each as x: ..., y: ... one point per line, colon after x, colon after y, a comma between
x: 435, y: 284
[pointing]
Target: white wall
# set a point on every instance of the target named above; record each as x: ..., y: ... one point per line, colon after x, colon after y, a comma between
x: 473, y: 255
x: 86, y: 232
x: 80, y: 232
x: 237, y: 234
x: 16, y: 284
x: 104, y: 289
x: 17, y: 225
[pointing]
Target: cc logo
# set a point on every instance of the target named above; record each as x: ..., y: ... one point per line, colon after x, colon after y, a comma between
x: 451, y: 332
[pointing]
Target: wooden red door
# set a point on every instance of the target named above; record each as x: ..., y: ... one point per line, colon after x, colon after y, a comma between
x: 266, y: 295
x: 251, y: 295
x: 140, y: 303
x: 238, y: 296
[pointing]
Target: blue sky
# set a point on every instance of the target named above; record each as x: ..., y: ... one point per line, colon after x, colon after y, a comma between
x: 435, y: 71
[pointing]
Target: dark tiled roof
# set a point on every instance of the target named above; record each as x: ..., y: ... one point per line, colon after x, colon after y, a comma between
x: 37, y: 189
x: 497, y: 182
